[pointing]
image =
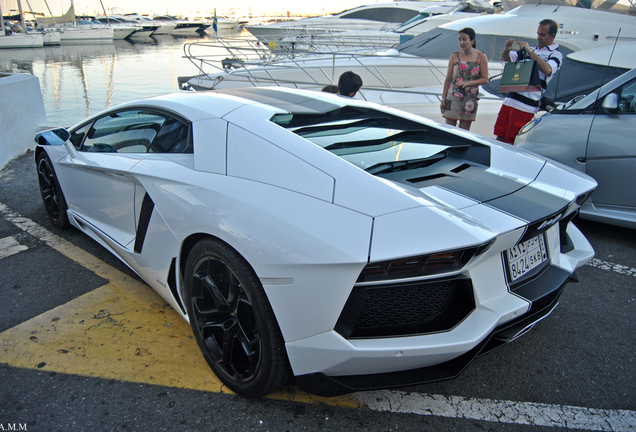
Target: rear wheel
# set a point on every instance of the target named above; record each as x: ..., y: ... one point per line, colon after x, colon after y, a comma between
x: 52, y: 196
x: 233, y: 322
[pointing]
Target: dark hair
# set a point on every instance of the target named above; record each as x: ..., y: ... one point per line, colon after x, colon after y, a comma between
x: 330, y: 88
x: 471, y: 35
x: 553, y: 26
x: 349, y: 82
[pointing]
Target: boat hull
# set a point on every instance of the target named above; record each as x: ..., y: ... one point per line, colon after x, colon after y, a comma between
x: 95, y: 35
x: 20, y: 40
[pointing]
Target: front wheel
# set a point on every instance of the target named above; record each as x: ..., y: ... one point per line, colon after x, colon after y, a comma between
x: 233, y: 321
x: 52, y: 196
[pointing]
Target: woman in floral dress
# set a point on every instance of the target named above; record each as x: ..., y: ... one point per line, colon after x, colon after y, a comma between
x: 467, y: 70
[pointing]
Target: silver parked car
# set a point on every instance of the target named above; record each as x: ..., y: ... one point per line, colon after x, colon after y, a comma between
x: 595, y: 134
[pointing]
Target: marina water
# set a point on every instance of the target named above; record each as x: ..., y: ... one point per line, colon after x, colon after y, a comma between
x: 80, y: 80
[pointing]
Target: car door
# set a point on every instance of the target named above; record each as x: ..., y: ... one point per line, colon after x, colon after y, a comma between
x: 611, y: 153
x: 97, y: 182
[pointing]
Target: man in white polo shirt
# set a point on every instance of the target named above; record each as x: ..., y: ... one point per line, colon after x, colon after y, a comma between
x: 519, y: 108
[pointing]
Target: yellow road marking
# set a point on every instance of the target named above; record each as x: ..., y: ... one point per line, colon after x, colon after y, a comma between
x: 122, y: 330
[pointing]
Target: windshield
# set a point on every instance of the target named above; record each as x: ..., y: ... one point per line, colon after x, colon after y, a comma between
x: 367, y: 146
x: 422, y: 15
x: 579, y: 102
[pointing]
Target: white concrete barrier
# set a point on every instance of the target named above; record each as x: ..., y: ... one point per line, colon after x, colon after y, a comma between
x: 21, y: 114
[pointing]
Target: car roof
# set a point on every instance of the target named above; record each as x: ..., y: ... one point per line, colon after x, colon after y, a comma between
x: 297, y: 102
x: 618, y: 81
x: 218, y: 103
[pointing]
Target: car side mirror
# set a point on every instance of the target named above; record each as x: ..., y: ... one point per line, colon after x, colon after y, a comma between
x: 52, y: 137
x: 610, y: 103
x: 56, y: 137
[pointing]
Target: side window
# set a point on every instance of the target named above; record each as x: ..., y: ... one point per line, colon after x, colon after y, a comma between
x: 78, y: 136
x: 627, y: 100
x: 173, y: 137
x: 129, y: 131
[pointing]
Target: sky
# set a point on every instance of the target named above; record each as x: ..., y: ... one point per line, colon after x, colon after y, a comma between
x: 239, y: 7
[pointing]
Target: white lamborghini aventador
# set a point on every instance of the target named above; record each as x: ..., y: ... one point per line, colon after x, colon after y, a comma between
x: 309, y: 235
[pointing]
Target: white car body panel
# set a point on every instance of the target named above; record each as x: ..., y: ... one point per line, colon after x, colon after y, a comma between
x: 249, y: 152
x: 308, y: 222
x: 211, y: 158
x: 402, y: 234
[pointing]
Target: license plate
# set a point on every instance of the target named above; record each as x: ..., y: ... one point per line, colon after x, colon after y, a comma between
x: 526, y: 256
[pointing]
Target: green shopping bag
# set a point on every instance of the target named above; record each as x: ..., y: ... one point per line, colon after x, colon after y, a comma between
x: 522, y: 76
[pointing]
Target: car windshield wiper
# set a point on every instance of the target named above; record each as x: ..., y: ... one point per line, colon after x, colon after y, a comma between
x: 369, y: 143
x: 387, y: 167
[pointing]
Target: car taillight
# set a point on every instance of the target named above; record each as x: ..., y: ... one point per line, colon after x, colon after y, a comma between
x: 422, y: 265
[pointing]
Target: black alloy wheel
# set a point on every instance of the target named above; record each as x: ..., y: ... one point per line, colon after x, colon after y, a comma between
x: 52, y: 196
x: 233, y: 322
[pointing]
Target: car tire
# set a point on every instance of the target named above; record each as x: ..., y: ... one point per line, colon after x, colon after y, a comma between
x: 51, y: 192
x: 233, y: 321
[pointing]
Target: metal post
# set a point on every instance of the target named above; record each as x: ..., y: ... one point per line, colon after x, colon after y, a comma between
x: 1, y: 20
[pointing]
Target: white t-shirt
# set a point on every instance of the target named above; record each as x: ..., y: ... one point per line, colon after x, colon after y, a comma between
x: 553, y: 56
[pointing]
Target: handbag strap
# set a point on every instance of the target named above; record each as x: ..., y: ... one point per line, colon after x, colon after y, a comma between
x: 523, y: 99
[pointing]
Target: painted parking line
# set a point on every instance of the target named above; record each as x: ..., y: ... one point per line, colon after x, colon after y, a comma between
x: 501, y: 411
x: 125, y: 331
x: 610, y: 266
x: 10, y: 246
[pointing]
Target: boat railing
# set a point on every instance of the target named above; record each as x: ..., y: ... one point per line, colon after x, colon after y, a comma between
x: 315, y: 72
x: 233, y: 53
x: 230, y: 53
x: 321, y: 39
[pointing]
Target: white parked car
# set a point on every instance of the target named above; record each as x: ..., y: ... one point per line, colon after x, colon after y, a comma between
x: 308, y: 235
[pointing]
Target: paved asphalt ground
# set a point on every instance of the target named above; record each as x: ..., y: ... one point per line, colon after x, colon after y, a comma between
x: 139, y: 372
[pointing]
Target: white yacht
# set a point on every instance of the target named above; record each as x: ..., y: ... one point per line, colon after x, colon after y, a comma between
x: 339, y: 38
x: 165, y: 27
x: 51, y: 36
x: 87, y: 33
x: 121, y: 28
x: 138, y: 29
x: 375, y: 16
x: 182, y: 27
x: 21, y: 40
x: 72, y: 31
x: 411, y: 76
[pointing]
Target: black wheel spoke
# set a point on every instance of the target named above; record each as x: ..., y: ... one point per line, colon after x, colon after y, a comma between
x: 210, y: 314
x: 212, y: 292
x: 234, y: 289
x: 248, y: 347
x: 230, y: 328
x: 215, y: 351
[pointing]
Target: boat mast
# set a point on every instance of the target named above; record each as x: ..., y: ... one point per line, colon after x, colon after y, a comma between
x: 49, y: 9
x: 106, y: 15
x: 21, y: 13
x: 32, y: 13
